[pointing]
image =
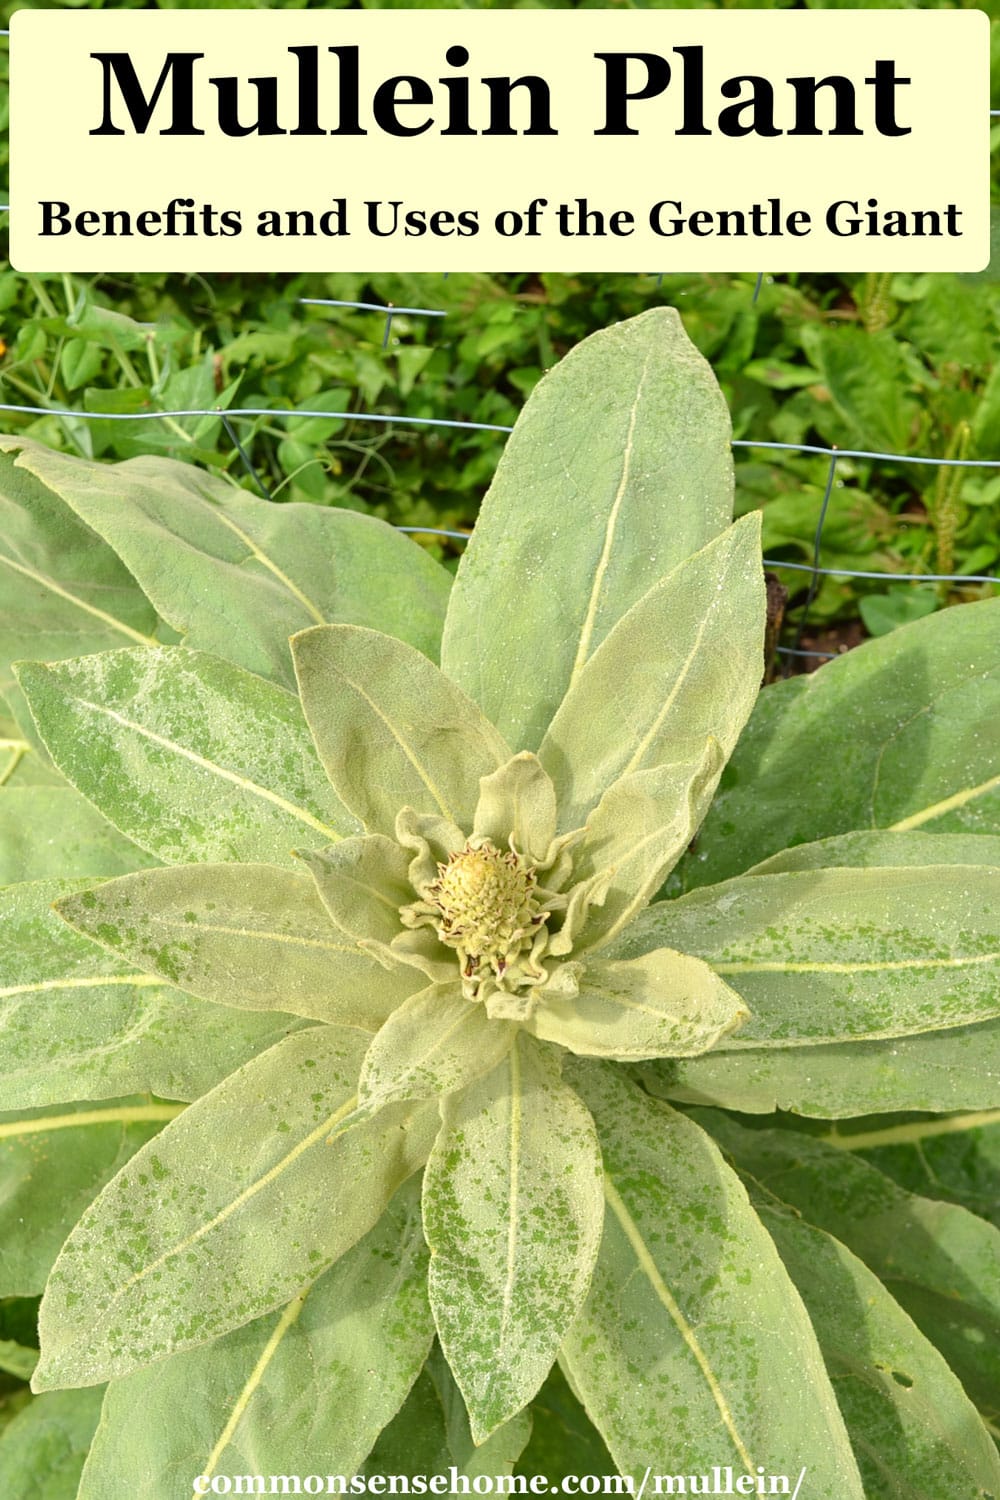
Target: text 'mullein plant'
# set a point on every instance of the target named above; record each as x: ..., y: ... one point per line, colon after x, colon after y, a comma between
x: 373, y: 951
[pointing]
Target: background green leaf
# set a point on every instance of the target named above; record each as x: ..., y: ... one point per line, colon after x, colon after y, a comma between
x: 45, y: 1445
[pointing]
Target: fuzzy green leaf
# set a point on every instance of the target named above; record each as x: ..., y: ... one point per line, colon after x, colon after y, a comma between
x: 306, y: 1389
x: 363, y: 883
x: 903, y: 723
x: 237, y: 575
x: 255, y: 937
x: 512, y: 1214
x: 192, y: 758
x: 940, y: 1262
x: 425, y: 745
x: 78, y: 1023
x: 53, y: 1163
x: 50, y: 831
x: 436, y: 1042
x: 913, y: 1429
x: 236, y: 1207
x: 682, y: 665
x: 618, y: 468
x: 59, y: 583
x: 693, y: 1328
x: 933, y: 1070
x: 858, y: 851
x: 664, y: 1004
x: 825, y: 956
x: 43, y: 1449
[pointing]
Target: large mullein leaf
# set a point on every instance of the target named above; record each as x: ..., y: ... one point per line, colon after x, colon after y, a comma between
x: 43, y: 1449
x: 907, y: 726
x: 48, y: 831
x: 931, y: 1070
x: 684, y: 664
x: 693, y: 1333
x: 191, y: 757
x: 913, y: 1429
x: 390, y: 729
x: 235, y: 1208
x: 53, y: 1163
x: 255, y: 937
x: 664, y: 1004
x: 940, y: 1262
x: 619, y: 467
x: 236, y: 575
x: 512, y: 1214
x: 77, y: 1022
x: 311, y: 1385
x: 825, y: 956
x: 859, y: 851
x: 61, y: 588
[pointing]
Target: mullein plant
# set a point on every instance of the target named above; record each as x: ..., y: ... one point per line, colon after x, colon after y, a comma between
x: 412, y: 1081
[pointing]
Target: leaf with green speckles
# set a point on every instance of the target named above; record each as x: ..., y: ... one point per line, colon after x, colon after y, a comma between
x: 255, y: 937
x: 859, y: 851
x: 436, y: 1042
x: 682, y: 665
x: 238, y: 1205
x: 935, y: 1070
x: 826, y: 956
x: 693, y: 1347
x: 913, y: 1429
x: 51, y: 831
x: 618, y: 468
x: 512, y: 1214
x: 304, y: 1389
x: 235, y: 574
x: 425, y: 745
x: 940, y: 1262
x: 906, y: 727
x: 192, y: 758
x: 53, y: 1163
x: 77, y: 1022
x: 42, y: 1450
x: 61, y: 587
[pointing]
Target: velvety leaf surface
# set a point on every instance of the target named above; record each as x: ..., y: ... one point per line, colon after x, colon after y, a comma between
x: 665, y: 1004
x: 908, y: 727
x: 233, y: 1210
x: 53, y: 1163
x: 435, y: 1042
x: 913, y: 1429
x: 693, y: 1342
x: 51, y: 831
x: 61, y: 585
x: 868, y: 850
x: 363, y: 882
x: 682, y: 665
x: 192, y: 758
x: 512, y: 1214
x: 955, y: 1159
x: 255, y: 937
x: 425, y: 745
x: 841, y: 955
x: 43, y: 1449
x: 940, y: 1262
x: 619, y: 467
x: 302, y: 1391
x: 78, y: 1023
x: 237, y: 575
x: 934, y: 1070
x: 636, y: 834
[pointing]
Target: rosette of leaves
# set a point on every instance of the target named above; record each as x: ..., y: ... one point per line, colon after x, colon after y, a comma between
x: 340, y: 1000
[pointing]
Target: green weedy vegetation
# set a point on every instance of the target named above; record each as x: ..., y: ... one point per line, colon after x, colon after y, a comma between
x: 370, y: 1104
